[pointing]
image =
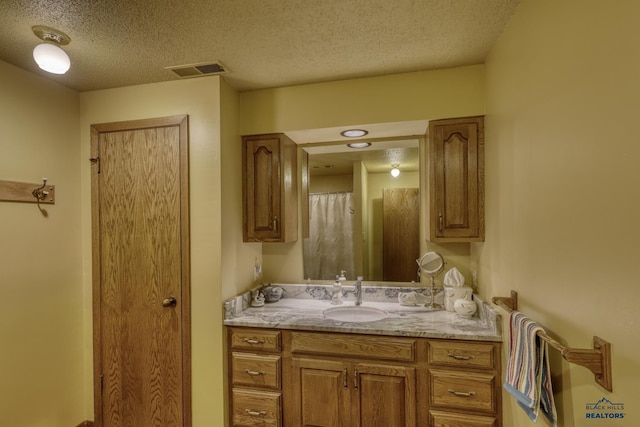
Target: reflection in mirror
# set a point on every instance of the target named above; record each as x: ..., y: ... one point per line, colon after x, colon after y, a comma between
x: 361, y: 218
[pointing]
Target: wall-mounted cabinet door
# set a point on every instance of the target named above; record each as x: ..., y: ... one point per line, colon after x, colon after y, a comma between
x: 269, y: 188
x: 456, y: 180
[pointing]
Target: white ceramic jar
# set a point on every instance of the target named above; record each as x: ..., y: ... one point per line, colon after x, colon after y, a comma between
x: 465, y: 307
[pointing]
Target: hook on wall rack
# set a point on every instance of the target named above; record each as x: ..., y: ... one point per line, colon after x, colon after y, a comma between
x: 597, y: 360
x: 12, y: 191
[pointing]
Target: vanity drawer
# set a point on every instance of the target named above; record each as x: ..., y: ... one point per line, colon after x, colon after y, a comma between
x: 369, y: 346
x: 462, y: 390
x: 448, y: 419
x: 462, y: 353
x: 255, y: 370
x: 255, y: 339
x: 256, y: 408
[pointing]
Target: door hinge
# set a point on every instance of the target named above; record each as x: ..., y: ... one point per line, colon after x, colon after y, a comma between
x: 95, y: 160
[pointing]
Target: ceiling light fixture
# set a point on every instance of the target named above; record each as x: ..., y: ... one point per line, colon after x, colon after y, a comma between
x: 49, y: 55
x: 395, y: 171
x: 354, y: 133
x: 359, y: 144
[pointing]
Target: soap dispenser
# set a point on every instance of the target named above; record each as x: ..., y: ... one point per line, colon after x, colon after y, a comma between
x: 342, y: 277
x: 336, y: 296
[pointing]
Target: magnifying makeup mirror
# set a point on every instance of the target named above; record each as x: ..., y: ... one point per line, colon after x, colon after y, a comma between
x: 431, y: 264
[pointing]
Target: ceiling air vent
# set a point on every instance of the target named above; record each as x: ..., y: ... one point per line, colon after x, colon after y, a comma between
x: 197, y: 70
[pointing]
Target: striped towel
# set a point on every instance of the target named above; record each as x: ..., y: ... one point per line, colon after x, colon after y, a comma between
x: 528, y: 377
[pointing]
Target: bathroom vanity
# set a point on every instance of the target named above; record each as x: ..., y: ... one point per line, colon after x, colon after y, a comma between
x: 289, y: 365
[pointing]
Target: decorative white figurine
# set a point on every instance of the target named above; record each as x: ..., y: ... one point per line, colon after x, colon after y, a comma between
x: 258, y: 299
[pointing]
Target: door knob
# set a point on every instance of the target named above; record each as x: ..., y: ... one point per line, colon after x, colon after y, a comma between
x: 169, y: 302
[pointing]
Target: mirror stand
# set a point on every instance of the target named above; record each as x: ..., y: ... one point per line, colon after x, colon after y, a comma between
x: 433, y: 305
x: 431, y: 264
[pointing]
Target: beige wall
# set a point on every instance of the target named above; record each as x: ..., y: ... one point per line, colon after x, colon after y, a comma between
x: 40, y: 256
x: 331, y: 183
x: 561, y: 201
x: 238, y: 258
x: 455, y: 92
x: 46, y: 260
x: 562, y: 198
x: 200, y: 99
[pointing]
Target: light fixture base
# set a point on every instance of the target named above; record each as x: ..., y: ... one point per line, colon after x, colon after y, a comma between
x: 49, y: 34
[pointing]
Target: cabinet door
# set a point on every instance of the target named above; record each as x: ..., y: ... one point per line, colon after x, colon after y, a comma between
x: 270, y: 195
x: 262, y: 188
x: 385, y: 396
x: 456, y: 180
x: 321, y: 394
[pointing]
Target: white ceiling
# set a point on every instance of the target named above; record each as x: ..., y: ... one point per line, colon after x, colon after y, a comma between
x: 263, y: 43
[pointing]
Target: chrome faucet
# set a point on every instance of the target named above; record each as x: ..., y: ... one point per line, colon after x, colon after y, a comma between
x: 358, y: 291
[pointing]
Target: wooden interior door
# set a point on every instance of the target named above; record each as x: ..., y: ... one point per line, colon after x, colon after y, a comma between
x: 140, y: 213
x: 401, y: 228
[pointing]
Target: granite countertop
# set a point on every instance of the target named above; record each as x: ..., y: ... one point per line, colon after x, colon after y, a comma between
x: 301, y: 308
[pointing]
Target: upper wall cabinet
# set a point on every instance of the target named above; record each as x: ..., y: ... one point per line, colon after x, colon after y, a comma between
x: 456, y: 180
x: 270, y: 204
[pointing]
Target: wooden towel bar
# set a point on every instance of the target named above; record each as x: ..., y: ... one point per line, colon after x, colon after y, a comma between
x: 597, y: 360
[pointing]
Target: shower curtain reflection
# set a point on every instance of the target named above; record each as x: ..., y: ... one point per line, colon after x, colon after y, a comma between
x: 329, y: 247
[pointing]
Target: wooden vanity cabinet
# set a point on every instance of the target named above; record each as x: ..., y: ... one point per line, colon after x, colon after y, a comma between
x: 455, y: 190
x: 299, y: 378
x: 351, y: 380
x: 270, y: 201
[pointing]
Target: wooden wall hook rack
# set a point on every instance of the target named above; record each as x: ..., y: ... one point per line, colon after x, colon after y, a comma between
x: 12, y: 191
x: 597, y: 360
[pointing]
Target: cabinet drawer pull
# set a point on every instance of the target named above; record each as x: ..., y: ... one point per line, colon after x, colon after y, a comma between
x: 253, y: 341
x: 275, y: 224
x: 255, y: 373
x: 356, y: 378
x: 256, y: 413
x: 440, y: 222
x: 462, y: 393
x: 345, y: 376
x: 459, y: 356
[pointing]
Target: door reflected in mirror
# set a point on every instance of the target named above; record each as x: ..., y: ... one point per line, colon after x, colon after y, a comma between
x: 362, y: 219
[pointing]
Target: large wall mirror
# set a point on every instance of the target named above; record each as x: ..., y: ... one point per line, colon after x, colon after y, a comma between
x: 362, y: 219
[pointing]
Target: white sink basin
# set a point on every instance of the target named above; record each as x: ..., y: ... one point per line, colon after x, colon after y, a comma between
x: 354, y: 314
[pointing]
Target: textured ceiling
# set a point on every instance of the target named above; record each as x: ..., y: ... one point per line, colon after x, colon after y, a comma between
x: 263, y: 43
